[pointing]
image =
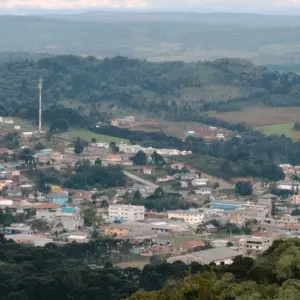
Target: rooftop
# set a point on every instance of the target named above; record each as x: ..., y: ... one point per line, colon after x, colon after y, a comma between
x: 215, y: 254
x: 49, y: 205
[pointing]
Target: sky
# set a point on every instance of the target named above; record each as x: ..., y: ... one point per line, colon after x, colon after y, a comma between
x: 263, y: 6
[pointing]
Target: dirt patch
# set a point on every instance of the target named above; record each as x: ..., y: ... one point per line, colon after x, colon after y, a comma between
x: 261, y: 116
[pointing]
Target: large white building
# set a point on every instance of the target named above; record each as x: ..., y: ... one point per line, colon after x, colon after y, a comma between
x: 126, y: 212
x: 254, y: 245
x: 189, y: 216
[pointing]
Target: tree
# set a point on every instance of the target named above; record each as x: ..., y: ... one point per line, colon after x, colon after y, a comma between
x: 244, y: 188
x: 297, y: 126
x: 98, y: 161
x: 157, y: 260
x: 59, y: 125
x: 93, y: 140
x: 40, y: 225
x: 296, y: 212
x: 78, y: 146
x: 113, y: 147
x: 39, y: 146
x: 157, y: 158
x: 140, y: 158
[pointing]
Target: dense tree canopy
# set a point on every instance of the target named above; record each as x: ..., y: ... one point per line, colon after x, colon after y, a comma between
x: 85, y: 271
x: 157, y: 88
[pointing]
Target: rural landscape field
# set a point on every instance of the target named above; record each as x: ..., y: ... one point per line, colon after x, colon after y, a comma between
x: 275, y: 120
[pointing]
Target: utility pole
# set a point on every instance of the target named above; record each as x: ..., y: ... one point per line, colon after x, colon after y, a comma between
x: 40, y: 104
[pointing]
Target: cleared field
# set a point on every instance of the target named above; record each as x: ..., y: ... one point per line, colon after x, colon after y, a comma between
x: 261, y: 116
x: 24, y: 124
x: 87, y: 135
x: 279, y: 129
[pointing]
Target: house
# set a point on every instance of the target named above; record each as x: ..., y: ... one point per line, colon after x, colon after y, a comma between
x: 204, y: 191
x: 295, y: 199
x: 288, y: 229
x: 164, y: 179
x: 200, y: 181
x: 27, y: 134
x: 189, y: 216
x: 187, y: 176
x: 220, y: 136
x: 127, y: 163
x: 46, y: 211
x: 177, y: 166
x: 129, y: 119
x: 58, y: 198
x: 147, y: 171
x: 113, y: 159
x: 211, y: 228
x: 18, y: 229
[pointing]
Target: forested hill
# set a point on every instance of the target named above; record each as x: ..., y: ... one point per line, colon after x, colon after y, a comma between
x: 177, y: 89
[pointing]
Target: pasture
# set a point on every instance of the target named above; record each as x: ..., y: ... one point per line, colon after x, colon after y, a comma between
x: 261, y: 116
x: 275, y: 120
x: 88, y: 135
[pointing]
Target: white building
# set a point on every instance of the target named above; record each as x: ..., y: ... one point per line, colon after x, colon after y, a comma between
x: 287, y: 185
x: 126, y: 212
x: 220, y: 256
x: 254, y: 245
x: 189, y: 216
x: 46, y: 211
x: 69, y: 220
x: 199, y: 182
x: 206, y: 191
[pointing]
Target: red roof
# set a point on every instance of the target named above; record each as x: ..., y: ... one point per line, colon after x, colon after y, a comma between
x: 192, y: 244
x: 49, y: 205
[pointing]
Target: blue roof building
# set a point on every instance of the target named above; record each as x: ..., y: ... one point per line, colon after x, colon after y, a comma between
x: 58, y: 198
x: 227, y: 205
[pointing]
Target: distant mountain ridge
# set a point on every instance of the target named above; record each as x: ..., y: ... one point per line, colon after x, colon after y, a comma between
x: 156, y: 36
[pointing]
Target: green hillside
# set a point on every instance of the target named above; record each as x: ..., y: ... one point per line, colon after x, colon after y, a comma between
x: 173, y: 90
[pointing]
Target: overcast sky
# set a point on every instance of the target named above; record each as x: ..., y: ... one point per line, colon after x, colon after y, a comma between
x: 263, y: 6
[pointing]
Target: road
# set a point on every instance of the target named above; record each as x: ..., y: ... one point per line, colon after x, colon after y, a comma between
x: 141, y: 180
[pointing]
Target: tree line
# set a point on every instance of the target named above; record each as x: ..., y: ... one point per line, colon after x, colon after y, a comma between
x: 87, y: 271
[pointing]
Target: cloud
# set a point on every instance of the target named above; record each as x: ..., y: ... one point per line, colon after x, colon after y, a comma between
x: 79, y: 4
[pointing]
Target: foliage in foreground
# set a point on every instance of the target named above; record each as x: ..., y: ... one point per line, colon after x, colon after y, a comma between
x: 275, y: 275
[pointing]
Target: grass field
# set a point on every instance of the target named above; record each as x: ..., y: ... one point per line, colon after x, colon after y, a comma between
x: 279, y: 129
x: 269, y: 120
x: 87, y: 135
x: 181, y: 239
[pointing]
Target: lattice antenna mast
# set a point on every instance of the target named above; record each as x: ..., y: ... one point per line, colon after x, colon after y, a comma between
x: 40, y: 104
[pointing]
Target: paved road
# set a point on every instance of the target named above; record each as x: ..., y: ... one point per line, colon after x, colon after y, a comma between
x: 141, y: 180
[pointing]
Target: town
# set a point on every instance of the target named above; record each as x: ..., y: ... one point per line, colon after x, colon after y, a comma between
x: 161, y: 206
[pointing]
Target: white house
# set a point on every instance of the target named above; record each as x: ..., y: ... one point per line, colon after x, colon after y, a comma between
x: 200, y: 182
x: 204, y: 191
x: 189, y: 216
